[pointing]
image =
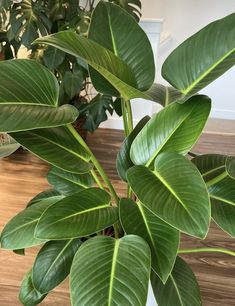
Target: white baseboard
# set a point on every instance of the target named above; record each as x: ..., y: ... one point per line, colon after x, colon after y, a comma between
x: 222, y: 114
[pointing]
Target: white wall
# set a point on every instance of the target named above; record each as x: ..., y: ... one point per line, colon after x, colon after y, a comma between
x: 183, y: 18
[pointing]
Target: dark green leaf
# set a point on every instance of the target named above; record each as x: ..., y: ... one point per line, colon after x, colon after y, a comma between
x: 73, y: 82
x: 124, y: 161
x: 162, y: 238
x: 176, y: 129
x: 78, y: 215
x: 47, y: 194
x: 116, y: 273
x: 53, y: 57
x: 53, y: 263
x: 175, y: 192
x: 181, y: 289
x: 203, y: 57
x: 68, y: 183
x: 133, y: 7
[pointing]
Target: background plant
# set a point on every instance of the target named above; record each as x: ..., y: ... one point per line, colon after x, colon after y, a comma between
x: 111, y: 247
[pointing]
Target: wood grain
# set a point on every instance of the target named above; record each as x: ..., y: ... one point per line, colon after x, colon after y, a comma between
x: 22, y: 176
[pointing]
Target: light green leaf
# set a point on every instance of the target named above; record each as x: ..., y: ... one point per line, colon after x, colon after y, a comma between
x: 181, y: 289
x: 7, y: 145
x: 117, y: 273
x: 73, y: 82
x: 81, y: 214
x: 174, y: 129
x: 203, y: 57
x: 68, y: 183
x: 53, y: 57
x: 223, y: 204
x: 175, y: 192
x: 28, y: 295
x: 57, y: 146
x: 53, y: 263
x: 19, y: 231
x: 162, y: 238
x: 124, y: 161
x: 132, y: 47
x: 29, y: 98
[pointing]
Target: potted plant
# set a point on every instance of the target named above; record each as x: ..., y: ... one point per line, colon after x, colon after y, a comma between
x: 112, y: 247
x: 29, y: 20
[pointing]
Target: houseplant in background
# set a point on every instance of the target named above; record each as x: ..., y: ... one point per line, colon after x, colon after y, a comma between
x: 112, y: 247
x: 29, y: 20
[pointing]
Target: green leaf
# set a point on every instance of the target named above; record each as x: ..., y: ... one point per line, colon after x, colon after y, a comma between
x: 133, y: 7
x: 53, y: 263
x: 95, y: 111
x: 181, y: 288
x: 19, y: 231
x: 29, y: 98
x: 174, y: 129
x: 162, y: 238
x: 223, y: 204
x: 28, y: 295
x: 49, y: 194
x: 56, y: 146
x: 68, y: 183
x: 7, y: 145
x: 124, y: 161
x: 203, y: 57
x: 73, y: 82
x: 53, y: 57
x: 132, y: 47
x: 175, y: 192
x: 117, y: 273
x: 81, y: 214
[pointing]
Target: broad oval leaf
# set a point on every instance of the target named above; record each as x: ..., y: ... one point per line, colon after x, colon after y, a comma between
x: 52, y: 264
x: 49, y: 194
x: 68, y: 183
x: 7, y: 145
x: 29, y: 98
x: 223, y: 204
x: 81, y: 214
x: 73, y: 82
x: 117, y: 273
x: 19, y: 231
x: 58, y: 147
x: 28, y: 295
x: 203, y: 57
x: 181, y: 288
x: 161, y: 237
x: 124, y: 161
x: 174, y: 129
x: 175, y: 192
x: 53, y: 57
x: 132, y: 47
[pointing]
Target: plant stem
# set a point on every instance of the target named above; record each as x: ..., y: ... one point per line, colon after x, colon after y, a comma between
x: 98, y: 182
x: 95, y: 163
x: 124, y: 117
x: 217, y: 179
x: 214, y: 250
x: 116, y: 230
x: 129, y: 115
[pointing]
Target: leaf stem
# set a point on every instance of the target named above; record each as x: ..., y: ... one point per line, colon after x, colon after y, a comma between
x: 214, y: 250
x: 217, y: 179
x: 124, y: 117
x: 95, y: 163
x: 98, y: 182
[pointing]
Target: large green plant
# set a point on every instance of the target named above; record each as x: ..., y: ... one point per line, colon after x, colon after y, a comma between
x: 112, y: 247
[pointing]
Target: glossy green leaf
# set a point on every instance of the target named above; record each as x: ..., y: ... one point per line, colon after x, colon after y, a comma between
x: 7, y: 145
x: 116, y: 273
x: 175, y: 192
x: 132, y: 47
x: 124, y: 161
x: 81, y: 214
x: 52, y: 264
x: 223, y: 204
x: 162, y: 238
x: 68, y: 183
x: 29, y: 98
x: 53, y: 57
x: 133, y: 7
x: 28, y: 295
x: 19, y: 231
x: 181, y: 288
x: 73, y: 82
x: 230, y: 166
x: 203, y: 57
x: 56, y: 146
x: 174, y: 129
x: 48, y: 194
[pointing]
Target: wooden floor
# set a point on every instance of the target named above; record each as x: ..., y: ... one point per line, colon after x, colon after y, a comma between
x: 23, y: 175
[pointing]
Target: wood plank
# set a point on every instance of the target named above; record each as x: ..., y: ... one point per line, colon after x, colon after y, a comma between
x: 22, y: 176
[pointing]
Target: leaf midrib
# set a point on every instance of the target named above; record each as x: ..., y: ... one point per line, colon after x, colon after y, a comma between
x: 113, y: 270
x: 177, y: 290
x: 222, y: 200
x: 70, y: 181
